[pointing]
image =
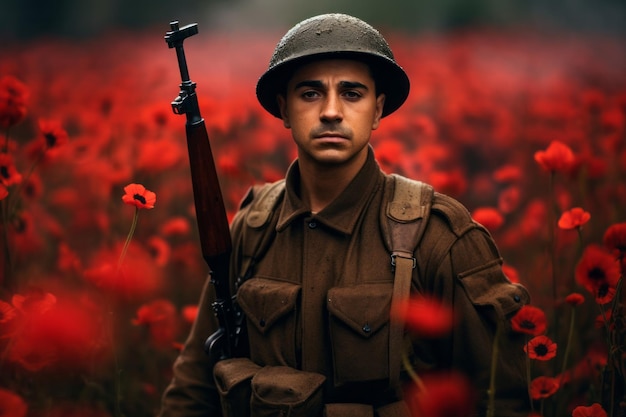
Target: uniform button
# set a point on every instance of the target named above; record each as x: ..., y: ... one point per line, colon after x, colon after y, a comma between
x: 312, y: 225
x: 367, y: 328
x: 517, y: 298
x: 262, y: 323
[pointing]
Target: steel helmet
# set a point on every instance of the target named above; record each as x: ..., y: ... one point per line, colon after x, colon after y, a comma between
x: 331, y: 36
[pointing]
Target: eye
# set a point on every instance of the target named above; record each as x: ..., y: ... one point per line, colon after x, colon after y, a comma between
x: 352, y: 94
x: 310, y: 94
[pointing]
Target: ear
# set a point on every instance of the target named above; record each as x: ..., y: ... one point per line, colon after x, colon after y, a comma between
x: 282, y: 105
x: 380, y: 103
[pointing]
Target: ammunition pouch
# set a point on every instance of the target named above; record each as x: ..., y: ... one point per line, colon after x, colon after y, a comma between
x: 232, y: 380
x: 247, y: 389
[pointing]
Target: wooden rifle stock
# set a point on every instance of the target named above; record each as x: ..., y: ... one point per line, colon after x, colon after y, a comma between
x: 213, y: 228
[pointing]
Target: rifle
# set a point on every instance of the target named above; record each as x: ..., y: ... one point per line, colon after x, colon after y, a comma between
x: 215, y: 240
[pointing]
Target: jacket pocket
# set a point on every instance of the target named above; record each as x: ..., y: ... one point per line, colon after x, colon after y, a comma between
x: 280, y: 391
x: 271, y: 312
x: 359, y: 331
x: 488, y: 286
x: 232, y: 379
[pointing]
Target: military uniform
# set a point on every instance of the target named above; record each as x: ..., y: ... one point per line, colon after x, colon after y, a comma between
x: 317, y: 297
x: 324, y: 272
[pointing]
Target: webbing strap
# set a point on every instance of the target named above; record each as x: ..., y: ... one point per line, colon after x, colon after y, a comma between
x: 406, y: 218
x: 259, y: 233
x: 401, y: 289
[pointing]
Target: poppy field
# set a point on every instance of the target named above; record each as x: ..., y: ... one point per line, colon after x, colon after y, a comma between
x: 99, y: 251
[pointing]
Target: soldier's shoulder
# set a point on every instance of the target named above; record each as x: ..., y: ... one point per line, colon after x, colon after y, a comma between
x: 452, y: 213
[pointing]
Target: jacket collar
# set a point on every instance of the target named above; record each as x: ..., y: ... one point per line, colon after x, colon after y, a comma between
x: 343, y: 213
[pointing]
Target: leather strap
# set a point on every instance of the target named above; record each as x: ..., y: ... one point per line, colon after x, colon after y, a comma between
x: 406, y: 219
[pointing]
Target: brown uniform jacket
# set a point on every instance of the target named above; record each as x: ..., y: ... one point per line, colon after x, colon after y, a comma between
x: 287, y: 308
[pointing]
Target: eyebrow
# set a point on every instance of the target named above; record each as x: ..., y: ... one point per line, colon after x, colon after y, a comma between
x: 319, y: 84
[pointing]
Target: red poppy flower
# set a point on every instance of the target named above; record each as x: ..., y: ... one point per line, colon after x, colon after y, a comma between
x: 529, y: 320
x: 8, y: 320
x: 4, y: 192
x: 543, y: 387
x: 54, y: 135
x: 67, y: 259
x: 158, y: 155
x: 511, y: 273
x: 139, y: 277
x: 30, y: 352
x: 443, y: 395
x: 509, y: 199
x: 558, y: 157
x: 32, y: 187
x: 159, y: 316
x: 137, y: 195
x: 453, y: 182
x: 508, y: 173
x: 68, y: 334
x: 34, y: 301
x: 605, y: 293
x: 574, y: 218
x: 489, y: 217
x: 425, y: 316
x: 540, y: 348
x: 25, y: 233
x: 602, y: 320
x: 8, y: 172
x: 189, y: 313
x: 387, y: 152
x: 178, y: 225
x: 12, y: 404
x: 594, y: 410
x: 575, y: 299
x: 597, y: 270
x: 160, y: 250
x: 13, y: 97
x: 615, y: 238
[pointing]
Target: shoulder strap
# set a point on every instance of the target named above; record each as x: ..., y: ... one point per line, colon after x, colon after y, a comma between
x: 404, y: 221
x: 259, y: 225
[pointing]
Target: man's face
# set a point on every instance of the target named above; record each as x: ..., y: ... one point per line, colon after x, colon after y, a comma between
x: 331, y: 108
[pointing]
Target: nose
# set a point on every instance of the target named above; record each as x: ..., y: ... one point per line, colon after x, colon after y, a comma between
x: 331, y: 110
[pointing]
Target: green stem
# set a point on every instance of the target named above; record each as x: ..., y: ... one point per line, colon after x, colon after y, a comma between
x: 567, y: 346
x: 553, y: 255
x: 25, y: 179
x: 128, y: 239
x: 578, y: 254
x: 118, y: 369
x: 409, y: 369
x: 530, y: 397
x: 569, y: 342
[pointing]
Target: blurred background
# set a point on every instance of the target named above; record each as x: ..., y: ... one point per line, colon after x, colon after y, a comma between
x: 79, y: 18
x: 85, y: 92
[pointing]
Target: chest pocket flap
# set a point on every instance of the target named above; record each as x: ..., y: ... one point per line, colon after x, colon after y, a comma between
x: 359, y: 331
x: 266, y: 301
x: 363, y: 308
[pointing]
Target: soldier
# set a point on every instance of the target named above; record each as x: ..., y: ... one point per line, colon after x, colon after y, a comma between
x: 311, y: 263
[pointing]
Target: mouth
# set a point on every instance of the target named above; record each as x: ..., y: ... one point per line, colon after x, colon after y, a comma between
x: 331, y: 135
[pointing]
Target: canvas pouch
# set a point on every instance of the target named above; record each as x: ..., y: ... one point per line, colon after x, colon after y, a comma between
x: 232, y: 380
x: 281, y: 391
